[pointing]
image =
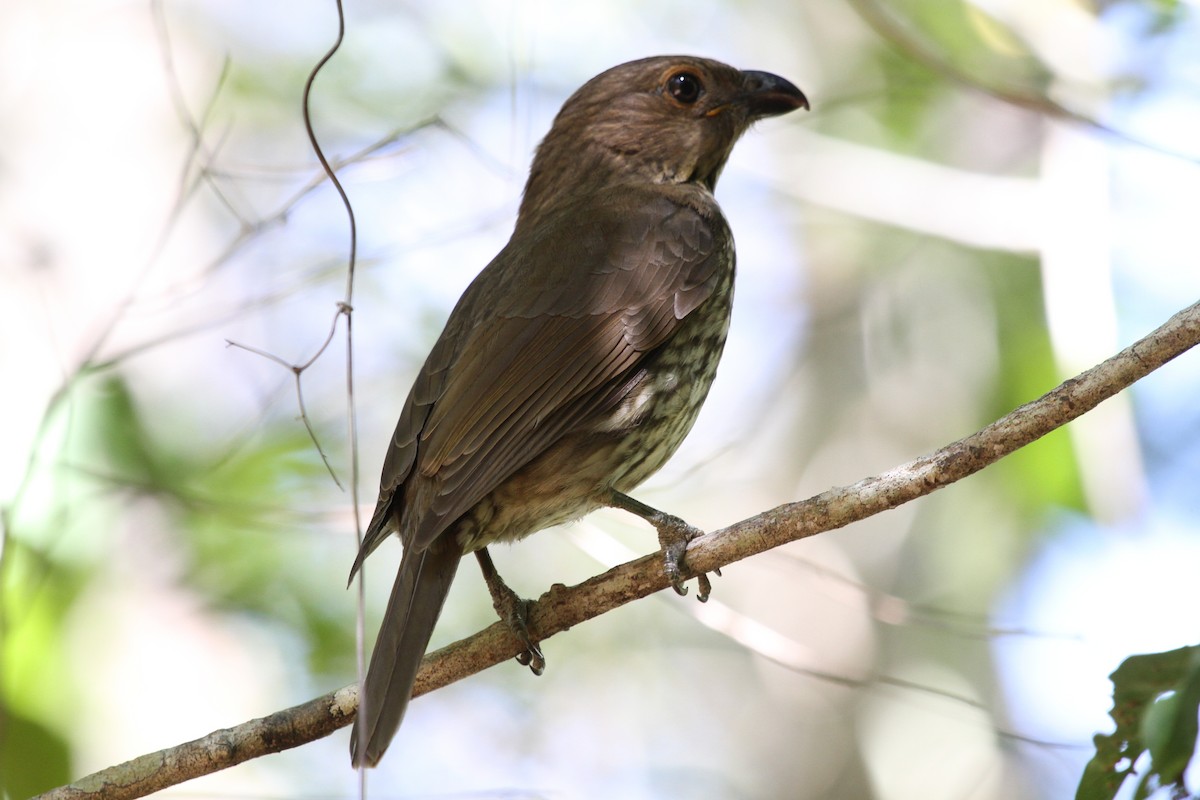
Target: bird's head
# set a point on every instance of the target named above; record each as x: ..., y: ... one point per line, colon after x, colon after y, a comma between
x: 667, y: 119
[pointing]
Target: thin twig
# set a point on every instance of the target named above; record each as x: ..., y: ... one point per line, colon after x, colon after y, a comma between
x: 346, y: 307
x: 297, y: 370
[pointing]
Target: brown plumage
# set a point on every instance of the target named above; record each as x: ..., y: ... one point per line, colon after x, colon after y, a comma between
x: 576, y: 362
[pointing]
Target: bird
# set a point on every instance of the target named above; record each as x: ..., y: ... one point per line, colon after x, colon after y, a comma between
x: 576, y: 361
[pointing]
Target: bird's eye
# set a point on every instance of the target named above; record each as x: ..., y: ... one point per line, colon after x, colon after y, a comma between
x: 685, y: 87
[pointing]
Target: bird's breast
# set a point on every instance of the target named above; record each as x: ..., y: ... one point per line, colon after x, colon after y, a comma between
x: 678, y: 376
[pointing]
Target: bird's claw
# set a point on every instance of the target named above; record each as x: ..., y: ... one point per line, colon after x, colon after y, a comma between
x: 532, y: 657
x: 514, y: 612
x: 673, y: 536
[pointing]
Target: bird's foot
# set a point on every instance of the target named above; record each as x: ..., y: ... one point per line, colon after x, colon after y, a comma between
x: 673, y: 537
x: 513, y: 612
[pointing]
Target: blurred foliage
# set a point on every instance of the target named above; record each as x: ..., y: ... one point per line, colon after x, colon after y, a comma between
x: 36, y: 688
x: 1158, y: 16
x: 231, y: 505
x: 1044, y: 476
x: 967, y: 37
x: 1156, y: 704
x: 32, y: 756
x: 230, y: 528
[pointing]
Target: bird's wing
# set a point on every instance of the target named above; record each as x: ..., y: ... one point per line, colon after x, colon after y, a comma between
x: 430, y: 384
x: 566, y: 312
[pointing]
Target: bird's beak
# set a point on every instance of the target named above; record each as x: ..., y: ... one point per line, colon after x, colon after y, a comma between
x: 767, y: 95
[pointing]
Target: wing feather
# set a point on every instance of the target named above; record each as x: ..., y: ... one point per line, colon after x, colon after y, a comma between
x: 536, y: 346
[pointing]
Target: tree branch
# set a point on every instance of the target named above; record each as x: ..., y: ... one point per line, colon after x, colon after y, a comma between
x: 562, y: 607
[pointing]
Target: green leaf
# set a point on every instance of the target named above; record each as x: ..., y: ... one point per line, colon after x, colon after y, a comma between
x: 33, y: 758
x: 1156, y: 699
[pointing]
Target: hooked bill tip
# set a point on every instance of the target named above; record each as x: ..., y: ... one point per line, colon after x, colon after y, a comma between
x: 769, y: 95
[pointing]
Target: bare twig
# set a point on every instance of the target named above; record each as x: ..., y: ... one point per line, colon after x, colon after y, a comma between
x: 297, y: 370
x: 346, y: 308
x: 562, y: 607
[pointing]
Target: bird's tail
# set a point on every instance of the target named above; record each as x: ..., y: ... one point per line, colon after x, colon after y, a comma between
x: 416, y: 602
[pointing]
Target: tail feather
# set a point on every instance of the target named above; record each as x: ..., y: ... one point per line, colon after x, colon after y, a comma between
x: 412, y: 610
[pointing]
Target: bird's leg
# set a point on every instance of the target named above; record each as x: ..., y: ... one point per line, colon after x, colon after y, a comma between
x: 513, y: 611
x: 673, y: 536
